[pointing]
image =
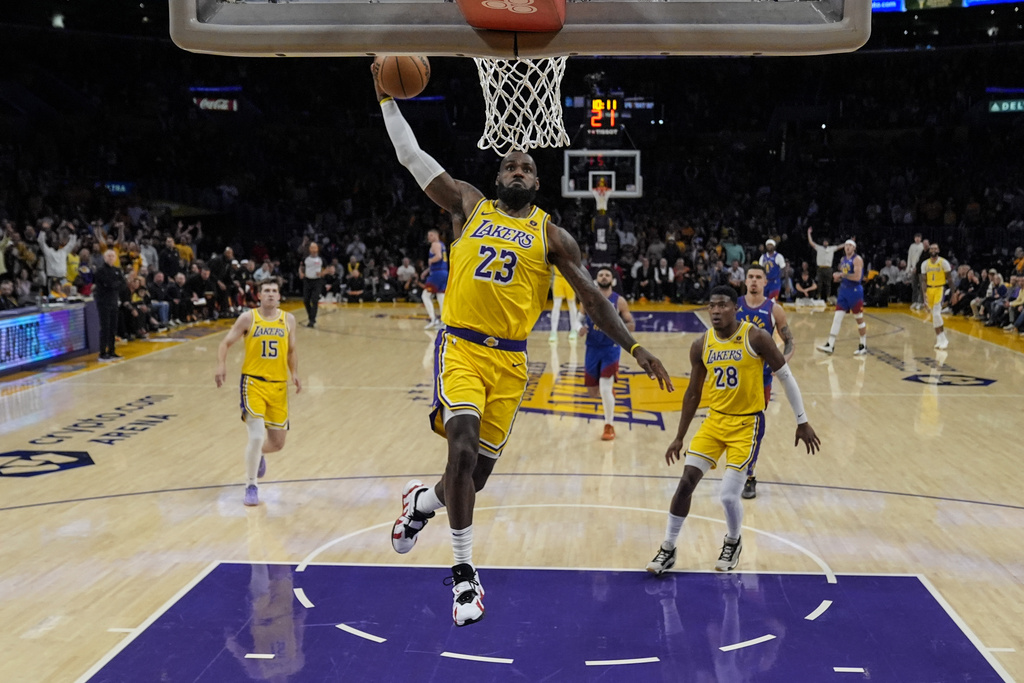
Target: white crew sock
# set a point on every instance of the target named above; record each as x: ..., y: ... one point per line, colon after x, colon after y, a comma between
x: 605, y: 386
x: 428, y: 501
x: 732, y: 487
x: 862, y: 328
x: 672, y: 529
x: 429, y: 303
x: 257, y: 429
x: 462, y: 545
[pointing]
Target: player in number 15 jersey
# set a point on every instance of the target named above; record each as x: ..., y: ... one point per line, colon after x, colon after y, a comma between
x: 500, y: 268
x: 270, y: 355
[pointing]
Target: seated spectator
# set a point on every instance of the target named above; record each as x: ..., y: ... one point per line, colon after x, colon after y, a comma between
x: 663, y: 277
x: 158, y: 299
x: 996, y: 290
x: 999, y: 311
x: 8, y: 301
x: 806, y: 285
x: 643, y: 279
x: 265, y: 271
x: 356, y: 287
x: 23, y: 287
x: 876, y: 292
x: 180, y: 299
x: 902, y: 286
x: 966, y: 291
x: 736, y: 276
x: 202, y: 290
x: 408, y: 282
x: 890, y: 271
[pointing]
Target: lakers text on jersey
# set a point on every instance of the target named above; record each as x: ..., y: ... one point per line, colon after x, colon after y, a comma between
x: 264, y: 383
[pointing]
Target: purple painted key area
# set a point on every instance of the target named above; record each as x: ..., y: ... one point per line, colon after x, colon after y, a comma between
x: 646, y: 321
x: 550, y: 623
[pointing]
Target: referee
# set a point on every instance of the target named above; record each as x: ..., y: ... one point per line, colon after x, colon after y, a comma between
x: 310, y: 271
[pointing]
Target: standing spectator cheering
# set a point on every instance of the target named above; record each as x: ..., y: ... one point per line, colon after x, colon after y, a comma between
x: 56, y: 259
x: 824, y: 257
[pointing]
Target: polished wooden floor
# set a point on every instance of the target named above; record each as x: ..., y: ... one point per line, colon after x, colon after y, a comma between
x: 920, y: 473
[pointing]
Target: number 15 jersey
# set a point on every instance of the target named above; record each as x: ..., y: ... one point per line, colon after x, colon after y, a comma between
x: 266, y: 348
x: 498, y: 273
x: 735, y: 382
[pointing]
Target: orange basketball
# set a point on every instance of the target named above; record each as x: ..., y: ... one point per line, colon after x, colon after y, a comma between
x: 402, y: 77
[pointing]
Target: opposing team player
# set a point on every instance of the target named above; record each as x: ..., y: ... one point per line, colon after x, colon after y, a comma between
x: 601, y: 361
x: 727, y: 362
x: 436, y: 280
x: 270, y: 356
x: 769, y: 316
x: 850, y: 299
x: 501, y: 259
x: 774, y: 265
x: 935, y: 271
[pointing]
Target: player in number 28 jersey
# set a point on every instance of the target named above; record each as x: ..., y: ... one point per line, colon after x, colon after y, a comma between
x: 499, y: 271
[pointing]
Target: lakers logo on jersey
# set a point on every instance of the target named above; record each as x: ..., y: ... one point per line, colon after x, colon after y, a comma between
x: 499, y: 273
x: 266, y: 348
x: 734, y: 383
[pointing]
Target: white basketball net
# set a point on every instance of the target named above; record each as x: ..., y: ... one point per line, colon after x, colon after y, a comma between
x: 601, y: 197
x: 523, y: 99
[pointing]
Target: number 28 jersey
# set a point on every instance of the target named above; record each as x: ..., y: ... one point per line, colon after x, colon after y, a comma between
x: 734, y: 384
x: 266, y: 348
x: 499, y: 273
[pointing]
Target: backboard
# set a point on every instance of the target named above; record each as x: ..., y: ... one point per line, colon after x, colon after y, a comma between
x: 350, y: 28
x: 618, y: 169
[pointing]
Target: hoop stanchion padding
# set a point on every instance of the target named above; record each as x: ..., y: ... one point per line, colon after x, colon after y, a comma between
x: 514, y: 15
x: 523, y: 104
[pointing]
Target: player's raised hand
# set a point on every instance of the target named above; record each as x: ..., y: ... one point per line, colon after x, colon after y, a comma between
x: 806, y: 434
x: 673, y: 452
x: 654, y: 369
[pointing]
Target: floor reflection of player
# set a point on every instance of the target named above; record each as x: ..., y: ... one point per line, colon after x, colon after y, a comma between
x: 602, y: 358
x: 276, y: 626
x: 560, y: 289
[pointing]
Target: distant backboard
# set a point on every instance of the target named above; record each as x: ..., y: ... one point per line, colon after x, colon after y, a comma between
x: 350, y: 28
x: 585, y: 169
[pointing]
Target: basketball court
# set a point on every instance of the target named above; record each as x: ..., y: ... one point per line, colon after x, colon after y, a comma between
x: 892, y: 555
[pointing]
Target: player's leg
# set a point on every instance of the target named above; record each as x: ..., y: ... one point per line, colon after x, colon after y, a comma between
x: 574, y: 317
x: 606, y: 387
x: 428, y: 303
x: 556, y: 313
x: 750, y: 486
x: 440, y: 305
x: 257, y: 431
x: 742, y: 436
x: 276, y: 421
x: 837, y: 322
x: 862, y: 327
x: 934, y: 296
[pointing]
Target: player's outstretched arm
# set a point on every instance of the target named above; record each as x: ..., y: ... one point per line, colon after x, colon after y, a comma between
x: 237, y: 331
x: 691, y: 399
x: 455, y: 196
x: 564, y: 254
x: 293, y: 355
x: 765, y: 347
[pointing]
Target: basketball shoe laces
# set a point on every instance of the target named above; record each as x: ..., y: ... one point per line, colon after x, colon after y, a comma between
x: 728, y: 549
x: 663, y: 556
x: 416, y: 516
x: 466, y: 596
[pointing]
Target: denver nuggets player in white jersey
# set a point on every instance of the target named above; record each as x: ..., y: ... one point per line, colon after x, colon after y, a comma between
x: 499, y: 272
x: 270, y: 355
x: 728, y: 364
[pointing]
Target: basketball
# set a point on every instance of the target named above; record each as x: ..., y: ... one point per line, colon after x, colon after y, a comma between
x: 402, y: 77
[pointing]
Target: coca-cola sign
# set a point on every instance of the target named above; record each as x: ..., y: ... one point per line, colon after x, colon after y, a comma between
x: 216, y: 103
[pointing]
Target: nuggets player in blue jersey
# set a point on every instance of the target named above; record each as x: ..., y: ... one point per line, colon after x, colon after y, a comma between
x: 727, y: 363
x: 499, y: 273
x: 774, y: 265
x: 270, y: 356
x: 769, y: 316
x: 435, y: 280
x: 850, y: 299
x: 601, y: 361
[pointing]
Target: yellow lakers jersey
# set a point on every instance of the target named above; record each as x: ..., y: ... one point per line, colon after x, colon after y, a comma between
x: 735, y: 380
x: 935, y: 273
x: 266, y: 348
x: 498, y: 274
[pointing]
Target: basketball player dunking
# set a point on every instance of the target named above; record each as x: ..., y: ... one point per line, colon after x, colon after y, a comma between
x: 500, y: 268
x: 270, y: 355
x: 727, y: 362
x: 601, y: 362
x: 769, y: 316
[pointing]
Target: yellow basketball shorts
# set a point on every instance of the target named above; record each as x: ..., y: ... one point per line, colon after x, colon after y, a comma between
x: 933, y: 295
x: 561, y: 289
x: 738, y: 436
x: 268, y: 400
x: 489, y: 382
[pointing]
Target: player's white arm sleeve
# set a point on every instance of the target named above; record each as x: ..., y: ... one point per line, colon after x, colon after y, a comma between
x: 423, y: 167
x: 796, y: 401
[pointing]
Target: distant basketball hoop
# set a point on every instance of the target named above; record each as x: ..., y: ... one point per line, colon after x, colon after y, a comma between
x: 601, y: 196
x: 523, y: 104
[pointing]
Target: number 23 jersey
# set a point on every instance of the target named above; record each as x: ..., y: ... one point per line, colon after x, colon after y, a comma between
x: 734, y: 384
x: 498, y: 273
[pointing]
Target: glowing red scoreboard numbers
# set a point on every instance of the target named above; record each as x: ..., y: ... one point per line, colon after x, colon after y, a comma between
x: 604, y: 112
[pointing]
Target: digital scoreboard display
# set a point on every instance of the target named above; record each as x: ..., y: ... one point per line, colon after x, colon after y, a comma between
x: 27, y: 339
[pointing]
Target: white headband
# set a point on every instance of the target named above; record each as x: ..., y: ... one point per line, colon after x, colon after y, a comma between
x: 770, y: 242
x: 851, y: 243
